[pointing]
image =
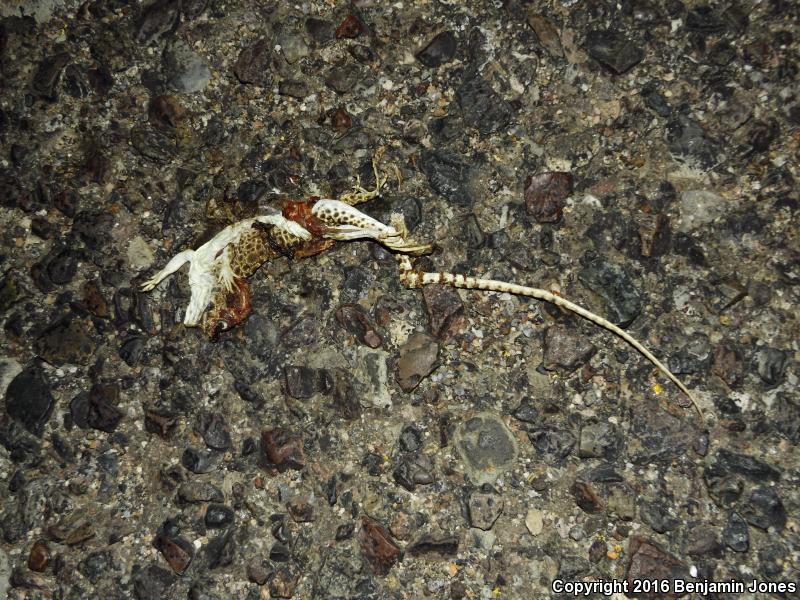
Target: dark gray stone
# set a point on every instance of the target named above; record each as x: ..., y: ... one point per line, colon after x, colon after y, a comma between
x: 566, y: 349
x: 448, y: 175
x: 599, y: 440
x: 688, y: 140
x: 735, y: 535
x: 764, y: 509
x: 657, y: 516
x: 614, y: 284
x: 613, y: 51
x: 482, y: 107
x: 439, y: 50
x: 484, y: 509
x: 28, y: 399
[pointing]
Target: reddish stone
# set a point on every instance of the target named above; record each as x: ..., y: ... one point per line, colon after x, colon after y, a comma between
x: 280, y: 451
x: 728, y: 365
x: 356, y: 321
x: 39, y: 558
x: 341, y: 121
x: 650, y: 563
x: 176, y: 551
x: 350, y: 28
x: 586, y: 498
x: 377, y: 546
x: 93, y: 300
x: 445, y: 309
x: 545, y: 195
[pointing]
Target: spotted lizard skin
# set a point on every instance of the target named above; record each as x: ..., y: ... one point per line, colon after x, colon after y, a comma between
x: 256, y: 246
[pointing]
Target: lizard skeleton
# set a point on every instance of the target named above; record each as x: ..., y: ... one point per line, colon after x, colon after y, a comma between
x: 219, y: 268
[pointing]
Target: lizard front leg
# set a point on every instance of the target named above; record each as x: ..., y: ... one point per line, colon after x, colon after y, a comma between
x: 173, y: 265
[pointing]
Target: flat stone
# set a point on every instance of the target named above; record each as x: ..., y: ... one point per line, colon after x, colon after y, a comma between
x: 764, y: 509
x: 587, y: 499
x: 176, y: 551
x: 186, y: 70
x: 613, y: 51
x: 214, y: 430
x: 439, y: 50
x: 377, y: 546
x: 448, y: 174
x: 484, y: 509
x: 546, y: 195
x: 735, y: 535
x: 28, y: 399
x: 445, y: 309
x: 650, y: 562
x: 553, y: 443
x: 566, y: 349
x: 614, y: 284
x: 67, y: 342
x: 427, y: 544
x: 658, y: 517
x: 482, y: 107
x: 486, y: 446
x: 417, y: 360
x: 688, y: 141
x: 254, y: 64
x: 281, y: 450
x: 599, y: 440
x: 359, y: 324
x: 547, y: 33
x: 195, y: 492
x: 534, y: 521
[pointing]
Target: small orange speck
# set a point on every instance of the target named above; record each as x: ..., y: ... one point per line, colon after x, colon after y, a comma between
x: 612, y: 555
x: 452, y: 568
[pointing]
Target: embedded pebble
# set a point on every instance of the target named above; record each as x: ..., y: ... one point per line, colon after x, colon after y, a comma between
x: 486, y: 447
x: 417, y: 360
x: 545, y: 195
x: 29, y: 400
x: 439, y: 50
x: 638, y: 157
x: 613, y: 51
x: 615, y: 285
x: 484, y: 509
x: 566, y: 349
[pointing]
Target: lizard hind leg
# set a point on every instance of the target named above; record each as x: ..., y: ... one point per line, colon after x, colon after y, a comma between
x: 343, y: 222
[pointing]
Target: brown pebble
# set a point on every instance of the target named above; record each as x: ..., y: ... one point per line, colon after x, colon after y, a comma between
x: 417, y: 360
x: 93, y: 300
x: 649, y: 563
x: 284, y: 583
x: 281, y: 450
x: 176, y: 551
x: 377, y: 546
x: 166, y: 112
x: 545, y: 195
x: 39, y: 558
x: 341, y: 121
x: 301, y: 510
x: 728, y: 365
x: 445, y: 310
x: 350, y: 28
x: 356, y: 321
x: 586, y: 498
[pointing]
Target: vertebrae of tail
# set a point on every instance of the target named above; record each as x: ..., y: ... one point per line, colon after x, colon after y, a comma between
x: 413, y: 279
